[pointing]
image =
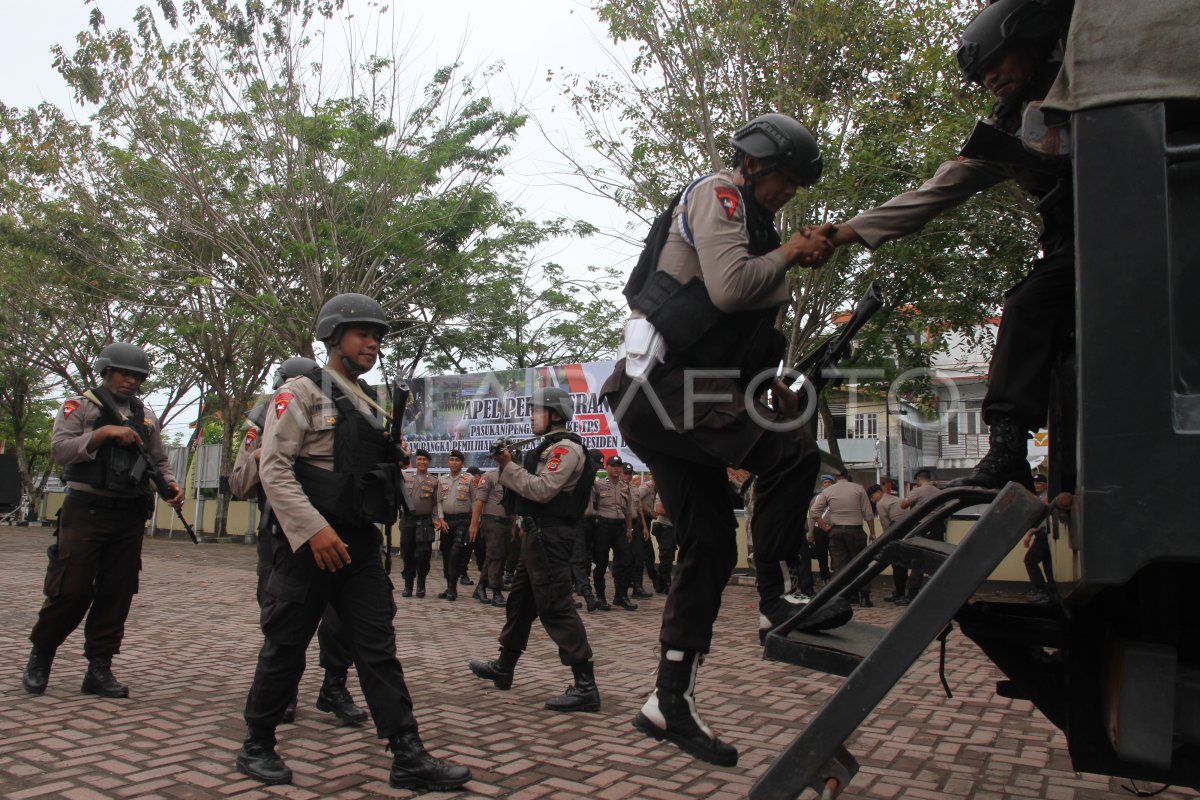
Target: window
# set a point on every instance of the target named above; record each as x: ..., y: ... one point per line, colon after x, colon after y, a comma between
x: 866, y: 426
x: 952, y: 428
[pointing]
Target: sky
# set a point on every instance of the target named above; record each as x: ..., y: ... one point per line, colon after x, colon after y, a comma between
x: 529, y: 36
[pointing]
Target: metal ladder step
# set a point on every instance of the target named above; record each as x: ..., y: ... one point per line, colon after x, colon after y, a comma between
x: 838, y: 651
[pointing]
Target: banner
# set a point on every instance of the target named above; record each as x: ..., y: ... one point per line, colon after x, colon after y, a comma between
x: 470, y: 412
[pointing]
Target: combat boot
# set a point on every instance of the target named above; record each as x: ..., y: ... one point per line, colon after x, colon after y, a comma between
x: 37, y: 670
x: 1006, y: 459
x: 498, y: 599
x: 833, y: 613
x: 414, y: 768
x: 420, y: 586
x: 258, y: 760
x: 99, y: 679
x: 622, y: 601
x: 669, y: 714
x: 602, y: 604
x: 582, y: 695
x: 335, y: 697
x: 289, y: 712
x: 465, y: 579
x: 589, y: 600
x: 451, y: 592
x: 640, y: 592
x: 500, y: 672
x: 408, y: 583
x: 480, y: 593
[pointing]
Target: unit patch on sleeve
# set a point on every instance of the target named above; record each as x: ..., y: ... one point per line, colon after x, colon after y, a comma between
x: 68, y: 407
x: 281, y: 403
x: 556, y: 458
x: 251, y: 435
x: 729, y: 199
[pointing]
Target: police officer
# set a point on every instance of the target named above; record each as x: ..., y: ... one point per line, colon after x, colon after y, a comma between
x: 663, y: 531
x: 552, y: 487
x: 243, y: 483
x: 705, y: 295
x: 612, y: 507
x: 889, y: 512
x: 818, y: 539
x: 1011, y: 48
x: 329, y: 473
x: 842, y: 509
x: 641, y: 534
x: 418, y: 527
x: 492, y: 523
x: 454, y: 507
x: 1038, y: 563
x: 644, y: 493
x: 585, y: 536
x: 94, y: 566
x: 921, y: 493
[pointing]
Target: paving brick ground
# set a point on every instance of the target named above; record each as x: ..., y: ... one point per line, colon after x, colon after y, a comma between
x: 192, y: 639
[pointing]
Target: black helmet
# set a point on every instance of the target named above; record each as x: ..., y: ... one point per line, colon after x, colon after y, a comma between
x: 257, y: 416
x: 121, y: 355
x: 555, y: 399
x: 293, y: 367
x: 780, y: 140
x: 1006, y: 23
x: 346, y: 309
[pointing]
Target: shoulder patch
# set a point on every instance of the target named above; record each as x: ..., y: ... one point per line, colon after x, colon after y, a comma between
x: 281, y: 403
x: 69, y: 407
x: 729, y: 199
x: 251, y: 435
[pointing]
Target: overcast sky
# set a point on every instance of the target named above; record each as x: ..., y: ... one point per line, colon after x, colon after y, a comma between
x: 528, y: 36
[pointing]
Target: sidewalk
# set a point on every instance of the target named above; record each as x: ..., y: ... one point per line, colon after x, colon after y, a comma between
x: 189, y: 654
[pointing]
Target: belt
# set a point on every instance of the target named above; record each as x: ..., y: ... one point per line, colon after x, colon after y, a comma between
x: 457, y: 517
x: 494, y: 518
x: 550, y: 522
x: 414, y: 518
x: 137, y: 502
x: 858, y: 527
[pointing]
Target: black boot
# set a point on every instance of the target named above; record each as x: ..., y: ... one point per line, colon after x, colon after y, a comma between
x: 640, y: 592
x: 1006, y: 460
x: 480, y: 593
x: 498, y: 599
x: 37, y: 670
x: 289, y: 713
x: 670, y: 712
x: 865, y: 600
x: 500, y: 671
x: 258, y: 759
x: 407, y: 588
x: 420, y: 586
x: 589, y: 600
x: 582, y: 696
x: 451, y: 592
x: 833, y: 613
x: 335, y: 697
x: 99, y: 679
x: 465, y: 579
x: 622, y: 601
x: 414, y: 768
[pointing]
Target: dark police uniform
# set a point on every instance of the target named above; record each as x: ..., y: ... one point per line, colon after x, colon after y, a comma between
x: 744, y: 275
x: 96, y: 561
x: 316, y: 452
x: 551, y: 485
x: 417, y: 529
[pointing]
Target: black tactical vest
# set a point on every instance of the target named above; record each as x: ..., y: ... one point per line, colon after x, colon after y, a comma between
x: 112, y: 468
x: 361, y: 487
x: 697, y: 333
x: 569, y: 505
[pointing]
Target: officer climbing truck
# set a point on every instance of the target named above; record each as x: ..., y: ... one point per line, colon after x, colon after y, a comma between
x: 1114, y: 663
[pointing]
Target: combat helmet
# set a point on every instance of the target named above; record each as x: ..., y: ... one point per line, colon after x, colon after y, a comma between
x: 555, y: 399
x: 1004, y: 24
x: 782, y: 142
x: 122, y: 355
x: 349, y: 308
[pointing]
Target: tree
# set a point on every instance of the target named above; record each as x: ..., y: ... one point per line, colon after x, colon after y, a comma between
x: 26, y: 420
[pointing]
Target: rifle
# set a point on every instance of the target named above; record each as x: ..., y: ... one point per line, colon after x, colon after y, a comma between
x: 400, y: 393
x: 146, y: 466
x: 825, y: 358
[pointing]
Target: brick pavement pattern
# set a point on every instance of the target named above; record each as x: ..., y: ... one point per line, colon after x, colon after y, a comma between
x: 192, y: 640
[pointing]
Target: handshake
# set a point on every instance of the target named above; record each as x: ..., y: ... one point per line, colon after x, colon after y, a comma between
x: 814, y: 244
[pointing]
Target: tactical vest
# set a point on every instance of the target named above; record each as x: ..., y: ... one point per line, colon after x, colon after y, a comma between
x: 361, y: 488
x: 112, y: 468
x: 569, y: 505
x: 697, y: 333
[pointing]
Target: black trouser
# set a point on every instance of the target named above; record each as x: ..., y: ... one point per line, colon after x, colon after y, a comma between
x: 93, y: 572
x: 665, y: 534
x: 1037, y: 559
x: 495, y: 533
x: 820, y: 550
x: 581, y: 558
x: 512, y: 554
x: 542, y: 590
x: 610, y: 535
x: 456, y: 547
x: 637, y: 554
x: 845, y: 542
x: 296, y: 595
x: 803, y: 576
x: 917, y: 577
x: 416, y: 546
x: 1038, y: 312
x: 689, y: 461
x: 332, y: 644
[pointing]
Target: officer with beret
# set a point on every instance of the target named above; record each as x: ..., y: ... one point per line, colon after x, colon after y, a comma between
x: 552, y: 485
x: 335, y: 656
x: 612, y: 506
x: 94, y: 566
x: 331, y: 474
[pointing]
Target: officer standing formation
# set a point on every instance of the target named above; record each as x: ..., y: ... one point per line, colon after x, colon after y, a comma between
x: 334, y: 649
x: 455, y: 500
x: 841, y: 510
x: 419, y: 525
x: 552, y: 485
x: 491, y: 523
x: 324, y: 441
x: 611, y: 509
x: 94, y: 564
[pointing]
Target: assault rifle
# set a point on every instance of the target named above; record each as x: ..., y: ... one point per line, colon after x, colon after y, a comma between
x: 146, y: 467
x: 400, y: 393
x: 820, y: 366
